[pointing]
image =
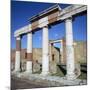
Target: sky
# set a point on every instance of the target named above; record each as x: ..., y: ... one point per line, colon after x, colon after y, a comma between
x: 21, y: 11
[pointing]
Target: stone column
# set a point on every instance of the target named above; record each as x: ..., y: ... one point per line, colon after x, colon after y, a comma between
x: 51, y: 51
x: 61, y: 52
x: 17, y: 56
x: 69, y: 50
x: 45, y: 51
x: 29, y: 53
x: 64, y: 50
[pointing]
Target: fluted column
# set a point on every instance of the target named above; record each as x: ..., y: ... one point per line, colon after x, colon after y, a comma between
x: 17, y: 54
x: 69, y: 50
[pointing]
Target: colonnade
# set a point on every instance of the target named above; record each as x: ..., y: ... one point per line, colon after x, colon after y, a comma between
x: 45, y: 51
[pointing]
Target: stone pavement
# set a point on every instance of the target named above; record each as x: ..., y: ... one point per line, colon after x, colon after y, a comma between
x: 18, y: 83
x: 49, y: 81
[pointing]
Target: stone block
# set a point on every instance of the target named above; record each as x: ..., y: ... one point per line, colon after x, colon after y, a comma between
x: 53, y: 67
x: 36, y: 66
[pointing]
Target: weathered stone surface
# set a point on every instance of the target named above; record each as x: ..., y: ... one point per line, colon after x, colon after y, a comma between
x: 53, y: 67
x: 23, y: 65
x: 80, y: 53
x: 77, y: 69
x: 50, y: 80
x: 54, y: 53
x: 36, y: 67
x: 12, y: 66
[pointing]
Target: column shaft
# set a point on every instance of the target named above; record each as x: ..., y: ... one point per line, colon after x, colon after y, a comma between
x: 51, y: 51
x: 45, y: 52
x: 17, y: 56
x: 61, y: 52
x: 69, y: 50
x: 29, y: 53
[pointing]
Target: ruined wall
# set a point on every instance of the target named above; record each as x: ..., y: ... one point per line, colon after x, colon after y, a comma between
x: 54, y: 53
x: 79, y: 51
x: 37, y: 54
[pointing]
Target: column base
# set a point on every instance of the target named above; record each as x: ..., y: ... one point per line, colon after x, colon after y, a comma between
x: 45, y: 73
x: 29, y: 67
x: 28, y: 72
x: 71, y: 76
x: 14, y: 72
x: 17, y: 71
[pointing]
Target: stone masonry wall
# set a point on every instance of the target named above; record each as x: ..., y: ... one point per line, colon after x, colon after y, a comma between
x: 79, y: 51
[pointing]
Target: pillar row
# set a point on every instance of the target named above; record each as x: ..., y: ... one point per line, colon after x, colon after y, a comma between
x: 45, y: 51
x: 17, y: 54
x: 69, y: 50
x: 29, y: 53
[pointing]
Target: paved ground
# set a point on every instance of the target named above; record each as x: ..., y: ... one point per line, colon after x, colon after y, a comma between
x: 17, y: 83
x: 28, y: 81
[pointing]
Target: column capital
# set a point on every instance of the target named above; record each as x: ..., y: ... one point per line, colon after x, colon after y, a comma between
x: 32, y: 32
x: 18, y: 38
x: 70, y: 18
x: 46, y: 26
